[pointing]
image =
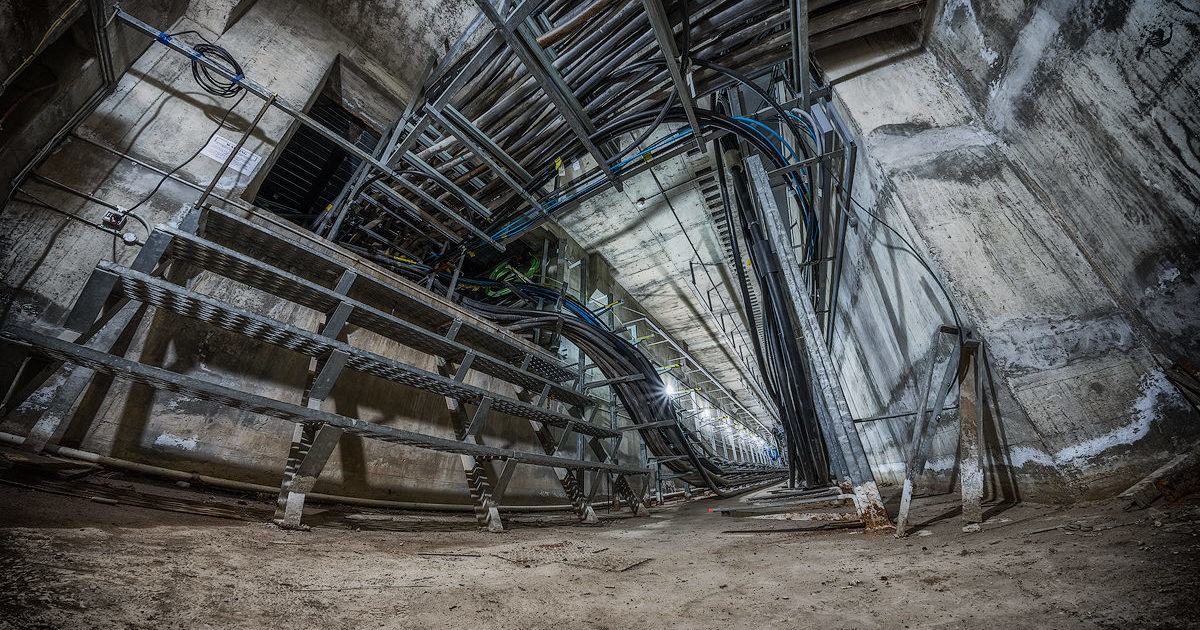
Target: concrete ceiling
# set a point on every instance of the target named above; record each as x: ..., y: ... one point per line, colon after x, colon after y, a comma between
x: 652, y: 250
x: 403, y: 35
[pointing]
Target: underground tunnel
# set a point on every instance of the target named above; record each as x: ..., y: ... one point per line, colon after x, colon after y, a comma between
x: 610, y: 313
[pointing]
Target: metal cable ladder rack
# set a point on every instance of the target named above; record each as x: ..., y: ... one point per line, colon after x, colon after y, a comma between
x: 268, y: 256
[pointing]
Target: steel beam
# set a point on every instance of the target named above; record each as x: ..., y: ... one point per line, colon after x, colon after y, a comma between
x: 533, y: 57
x: 267, y: 95
x: 202, y: 389
x: 487, y: 151
x: 922, y: 438
x: 799, y: 32
x: 664, y: 31
x: 312, y: 444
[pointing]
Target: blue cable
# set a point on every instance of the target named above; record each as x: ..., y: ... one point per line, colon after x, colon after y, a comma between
x: 808, y: 218
x: 517, y: 225
x: 800, y: 120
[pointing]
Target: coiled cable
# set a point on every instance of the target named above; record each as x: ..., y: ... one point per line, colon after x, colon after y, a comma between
x: 213, y: 82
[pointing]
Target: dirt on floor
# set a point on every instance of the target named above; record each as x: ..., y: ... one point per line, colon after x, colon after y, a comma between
x: 70, y: 561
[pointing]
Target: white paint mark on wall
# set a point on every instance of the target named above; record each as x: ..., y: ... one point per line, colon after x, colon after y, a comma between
x: 1165, y: 280
x: 1022, y: 455
x: 1147, y: 410
x: 1032, y: 42
x: 166, y: 439
x: 988, y: 54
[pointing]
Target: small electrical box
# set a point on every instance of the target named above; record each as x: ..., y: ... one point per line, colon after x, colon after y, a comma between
x: 114, y: 219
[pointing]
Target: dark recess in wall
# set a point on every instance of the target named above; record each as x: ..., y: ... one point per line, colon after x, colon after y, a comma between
x: 311, y: 170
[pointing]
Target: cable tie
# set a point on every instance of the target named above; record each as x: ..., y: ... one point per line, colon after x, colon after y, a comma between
x: 238, y: 78
x: 195, y: 56
x: 164, y: 38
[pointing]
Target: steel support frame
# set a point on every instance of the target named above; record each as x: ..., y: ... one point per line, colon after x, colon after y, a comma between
x: 516, y: 34
x: 551, y: 446
x: 281, y: 104
x: 317, y: 432
x: 312, y: 444
x: 799, y: 32
x: 487, y: 511
x: 487, y: 151
x: 164, y: 379
x: 664, y: 32
x: 94, y: 321
x: 965, y: 367
x: 843, y: 434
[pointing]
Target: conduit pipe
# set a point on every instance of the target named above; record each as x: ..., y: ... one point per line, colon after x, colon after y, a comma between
x: 244, y: 486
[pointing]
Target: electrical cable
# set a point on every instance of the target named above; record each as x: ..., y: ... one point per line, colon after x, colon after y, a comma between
x: 213, y: 84
x: 220, y: 125
x: 206, y: 77
x: 38, y: 202
x: 913, y: 250
x: 644, y: 398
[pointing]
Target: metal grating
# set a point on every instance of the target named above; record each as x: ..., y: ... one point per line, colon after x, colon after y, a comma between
x: 183, y: 301
x: 253, y: 273
x: 275, y: 249
x: 162, y: 379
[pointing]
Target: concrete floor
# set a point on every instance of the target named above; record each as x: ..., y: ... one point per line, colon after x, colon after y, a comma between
x: 66, y: 561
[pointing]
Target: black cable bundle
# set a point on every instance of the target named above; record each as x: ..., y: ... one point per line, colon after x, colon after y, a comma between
x: 212, y: 82
x: 645, y: 399
x: 208, y: 79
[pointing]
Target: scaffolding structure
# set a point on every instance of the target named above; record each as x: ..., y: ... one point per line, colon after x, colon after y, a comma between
x: 475, y: 162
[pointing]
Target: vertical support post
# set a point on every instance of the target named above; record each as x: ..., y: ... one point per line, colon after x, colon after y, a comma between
x: 75, y: 380
x: 487, y: 511
x: 922, y: 438
x: 970, y: 462
x: 799, y: 24
x: 312, y: 444
x: 484, y: 496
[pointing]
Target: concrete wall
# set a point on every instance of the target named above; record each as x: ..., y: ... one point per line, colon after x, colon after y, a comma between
x: 64, y: 78
x: 159, y: 115
x: 1039, y: 155
x: 668, y: 255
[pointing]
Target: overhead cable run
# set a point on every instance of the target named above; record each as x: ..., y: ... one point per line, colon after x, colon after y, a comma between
x: 478, y: 161
x: 615, y: 87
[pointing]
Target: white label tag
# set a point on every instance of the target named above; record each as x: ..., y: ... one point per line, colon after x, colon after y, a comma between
x: 219, y: 149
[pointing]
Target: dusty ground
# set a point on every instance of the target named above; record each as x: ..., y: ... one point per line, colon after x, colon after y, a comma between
x: 66, y: 561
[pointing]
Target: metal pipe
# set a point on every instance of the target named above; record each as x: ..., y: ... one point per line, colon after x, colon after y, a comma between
x: 170, y: 473
x: 151, y: 167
